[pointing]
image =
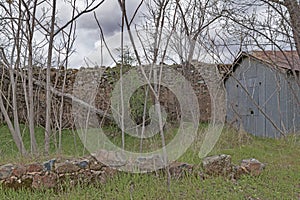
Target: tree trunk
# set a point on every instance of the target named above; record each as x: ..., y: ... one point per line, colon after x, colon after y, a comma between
x: 16, y: 133
x: 293, y: 8
x: 33, y: 144
x: 48, y: 82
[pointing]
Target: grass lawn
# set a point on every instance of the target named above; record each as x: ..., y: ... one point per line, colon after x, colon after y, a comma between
x: 280, y: 179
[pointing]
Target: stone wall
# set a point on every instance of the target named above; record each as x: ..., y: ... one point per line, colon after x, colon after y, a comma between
x: 62, y: 93
x: 58, y: 173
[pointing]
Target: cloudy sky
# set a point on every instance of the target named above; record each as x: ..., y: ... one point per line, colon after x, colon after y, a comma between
x: 87, y: 44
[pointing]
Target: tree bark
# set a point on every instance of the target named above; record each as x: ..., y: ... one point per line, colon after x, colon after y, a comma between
x: 33, y: 144
x: 293, y: 8
x: 48, y: 82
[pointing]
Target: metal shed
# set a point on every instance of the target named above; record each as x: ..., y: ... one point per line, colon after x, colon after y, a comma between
x: 263, y: 93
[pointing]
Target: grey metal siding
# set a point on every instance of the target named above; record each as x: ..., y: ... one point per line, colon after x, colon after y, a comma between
x: 272, y: 103
x: 268, y: 88
x: 294, y: 104
x: 261, y: 120
x: 243, y: 97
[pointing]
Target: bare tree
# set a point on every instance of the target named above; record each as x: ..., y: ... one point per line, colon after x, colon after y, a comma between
x: 263, y: 25
x: 293, y: 20
x: 29, y: 26
x: 30, y: 23
x: 15, y: 36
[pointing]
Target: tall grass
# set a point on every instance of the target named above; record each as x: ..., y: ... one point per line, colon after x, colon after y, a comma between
x: 280, y: 179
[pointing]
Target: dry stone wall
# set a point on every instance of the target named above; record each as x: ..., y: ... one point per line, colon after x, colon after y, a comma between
x: 62, y: 93
x: 58, y: 173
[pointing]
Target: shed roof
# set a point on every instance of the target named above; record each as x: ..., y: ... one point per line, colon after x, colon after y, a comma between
x: 281, y: 59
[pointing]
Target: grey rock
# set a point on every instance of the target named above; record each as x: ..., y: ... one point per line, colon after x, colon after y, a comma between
x: 6, y: 171
x: 217, y: 165
x: 151, y: 163
x: 253, y: 166
x: 110, y: 158
x: 180, y: 169
x: 83, y: 164
x: 49, y: 165
x: 19, y: 171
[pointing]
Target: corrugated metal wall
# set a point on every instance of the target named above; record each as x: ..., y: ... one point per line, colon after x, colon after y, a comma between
x: 261, y: 100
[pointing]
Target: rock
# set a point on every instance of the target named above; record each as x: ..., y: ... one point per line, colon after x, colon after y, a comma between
x: 201, y: 175
x: 17, y: 183
x: 110, y: 158
x: 19, y: 171
x: 147, y: 164
x: 34, y: 168
x: 238, y: 171
x: 86, y: 176
x: 47, y: 181
x: 83, y: 164
x: 252, y: 198
x: 217, y: 165
x: 106, y: 174
x: 95, y: 165
x: 6, y: 171
x: 252, y: 166
x: 48, y: 175
x: 179, y: 169
x: 49, y: 165
x: 66, y: 167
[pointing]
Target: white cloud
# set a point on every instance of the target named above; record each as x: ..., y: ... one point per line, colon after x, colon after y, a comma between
x: 88, y: 34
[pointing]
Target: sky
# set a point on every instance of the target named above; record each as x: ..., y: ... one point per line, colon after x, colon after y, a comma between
x: 87, y: 44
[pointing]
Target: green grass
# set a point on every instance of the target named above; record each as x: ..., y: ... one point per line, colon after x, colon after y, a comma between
x: 280, y: 179
x: 71, y: 145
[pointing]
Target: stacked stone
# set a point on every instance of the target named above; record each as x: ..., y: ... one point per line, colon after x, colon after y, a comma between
x: 63, y: 81
x: 51, y: 174
x: 54, y: 174
x: 220, y: 165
